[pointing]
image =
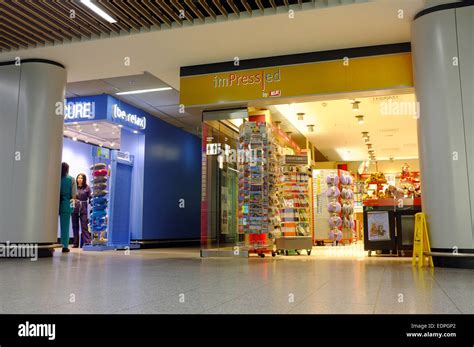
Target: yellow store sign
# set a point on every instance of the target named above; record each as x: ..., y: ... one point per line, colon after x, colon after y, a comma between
x: 326, y: 77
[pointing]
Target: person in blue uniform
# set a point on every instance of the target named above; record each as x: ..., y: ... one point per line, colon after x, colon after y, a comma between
x: 79, y: 215
x: 66, y: 204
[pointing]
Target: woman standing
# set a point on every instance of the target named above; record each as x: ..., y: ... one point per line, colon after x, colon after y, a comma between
x: 80, y: 211
x: 66, y: 204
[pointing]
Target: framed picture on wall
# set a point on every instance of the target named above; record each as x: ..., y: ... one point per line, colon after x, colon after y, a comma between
x: 378, y: 226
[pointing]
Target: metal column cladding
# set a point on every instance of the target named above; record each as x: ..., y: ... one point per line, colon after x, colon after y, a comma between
x: 443, y: 56
x: 30, y: 150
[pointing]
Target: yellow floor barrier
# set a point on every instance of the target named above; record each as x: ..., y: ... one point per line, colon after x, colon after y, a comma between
x: 421, y: 242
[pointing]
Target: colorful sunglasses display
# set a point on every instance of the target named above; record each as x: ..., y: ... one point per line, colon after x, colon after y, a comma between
x: 99, y: 203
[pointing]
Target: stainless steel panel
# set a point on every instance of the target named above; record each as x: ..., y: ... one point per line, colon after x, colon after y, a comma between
x: 465, y: 31
x: 9, y: 84
x: 34, y: 198
x: 441, y: 130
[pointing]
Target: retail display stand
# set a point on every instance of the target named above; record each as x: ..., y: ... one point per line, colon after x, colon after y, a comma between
x: 273, y: 199
x: 295, y: 210
x: 347, y: 208
x: 254, y: 186
x: 111, y: 187
x: 333, y: 207
x: 99, y: 208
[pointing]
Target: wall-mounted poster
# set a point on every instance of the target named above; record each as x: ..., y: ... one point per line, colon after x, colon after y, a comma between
x: 379, y: 227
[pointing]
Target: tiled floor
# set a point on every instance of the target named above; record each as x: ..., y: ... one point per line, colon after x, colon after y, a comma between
x: 179, y: 281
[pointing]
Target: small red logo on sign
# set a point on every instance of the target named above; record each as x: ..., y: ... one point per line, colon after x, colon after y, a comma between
x: 275, y: 93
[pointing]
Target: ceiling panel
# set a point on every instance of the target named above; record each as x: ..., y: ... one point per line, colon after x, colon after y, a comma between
x: 89, y: 88
x: 174, y: 111
x: 391, y: 124
x: 35, y: 23
x: 144, y: 101
x: 135, y: 82
x: 162, y: 98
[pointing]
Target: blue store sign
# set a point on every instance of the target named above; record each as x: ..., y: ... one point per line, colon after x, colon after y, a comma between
x: 104, y: 107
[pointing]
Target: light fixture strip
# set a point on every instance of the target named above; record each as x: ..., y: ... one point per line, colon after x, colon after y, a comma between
x: 142, y: 91
x: 98, y: 11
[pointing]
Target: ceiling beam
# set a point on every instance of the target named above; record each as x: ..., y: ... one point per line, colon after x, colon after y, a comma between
x: 190, y: 4
x: 208, y: 9
x: 12, y: 42
x: 25, y: 37
x: 20, y: 16
x: 180, y: 8
x: 57, y: 8
x: 221, y: 8
x: 89, y: 17
x: 120, y: 17
x: 157, y: 12
x: 169, y: 11
x: 59, y: 17
x: 45, y: 16
x: 247, y: 6
x: 260, y: 6
x: 144, y: 11
x: 31, y: 30
x: 130, y: 11
x: 233, y: 7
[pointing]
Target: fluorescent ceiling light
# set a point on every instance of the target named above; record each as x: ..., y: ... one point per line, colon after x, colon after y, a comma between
x: 98, y: 11
x: 144, y: 91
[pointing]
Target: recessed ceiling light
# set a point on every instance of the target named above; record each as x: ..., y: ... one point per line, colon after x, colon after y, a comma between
x: 141, y: 91
x: 360, y: 119
x: 74, y: 123
x: 310, y: 128
x: 112, y: 144
x: 135, y: 132
x: 300, y: 115
x: 97, y: 129
x: 120, y: 126
x: 367, y: 139
x: 74, y: 138
x: 365, y: 134
x: 98, y: 11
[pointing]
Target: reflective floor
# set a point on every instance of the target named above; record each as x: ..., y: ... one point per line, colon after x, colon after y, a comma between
x: 179, y: 281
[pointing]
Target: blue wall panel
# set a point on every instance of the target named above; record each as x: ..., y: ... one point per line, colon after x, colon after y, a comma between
x: 172, y: 172
x: 135, y: 145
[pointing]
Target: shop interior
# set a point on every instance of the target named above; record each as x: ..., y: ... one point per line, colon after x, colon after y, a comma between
x: 282, y: 179
x: 110, y: 155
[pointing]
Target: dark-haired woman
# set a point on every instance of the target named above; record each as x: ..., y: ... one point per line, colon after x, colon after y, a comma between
x: 80, y: 211
x: 66, y: 204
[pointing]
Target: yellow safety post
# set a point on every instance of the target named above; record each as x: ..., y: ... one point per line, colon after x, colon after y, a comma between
x: 421, y: 242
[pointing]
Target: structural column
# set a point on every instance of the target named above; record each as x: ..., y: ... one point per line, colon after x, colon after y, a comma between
x: 443, y: 58
x: 30, y: 150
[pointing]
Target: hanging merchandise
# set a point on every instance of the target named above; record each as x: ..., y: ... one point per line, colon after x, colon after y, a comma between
x: 347, y: 200
x: 334, y: 208
x: 99, y: 204
x: 333, y: 192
